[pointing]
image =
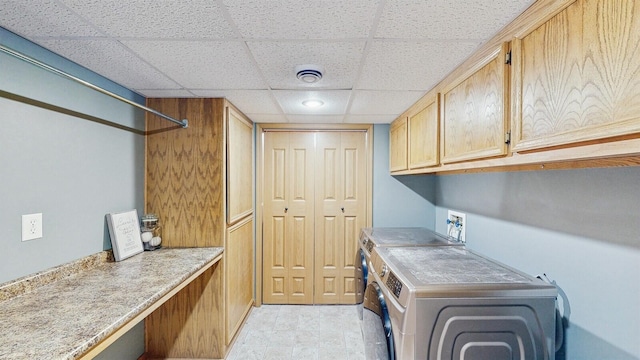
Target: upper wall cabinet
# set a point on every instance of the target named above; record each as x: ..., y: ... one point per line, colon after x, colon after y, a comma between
x: 398, y: 145
x: 474, y: 115
x: 423, y: 133
x: 239, y: 166
x: 576, y: 75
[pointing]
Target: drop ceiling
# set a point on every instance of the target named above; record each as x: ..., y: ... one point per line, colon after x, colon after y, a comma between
x: 379, y: 56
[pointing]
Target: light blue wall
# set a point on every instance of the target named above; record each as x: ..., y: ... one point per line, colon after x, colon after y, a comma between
x: 399, y: 200
x: 71, y: 170
x: 580, y: 227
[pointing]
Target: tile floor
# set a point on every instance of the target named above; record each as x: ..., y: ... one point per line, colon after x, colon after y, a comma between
x: 293, y: 332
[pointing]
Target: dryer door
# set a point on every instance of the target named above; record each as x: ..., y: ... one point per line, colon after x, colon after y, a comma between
x: 377, y: 330
x: 361, y: 273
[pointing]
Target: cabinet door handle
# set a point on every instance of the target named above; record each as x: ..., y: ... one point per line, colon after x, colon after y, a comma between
x: 286, y: 209
x: 342, y: 209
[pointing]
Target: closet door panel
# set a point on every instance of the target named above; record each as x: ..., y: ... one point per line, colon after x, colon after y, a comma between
x: 288, y: 219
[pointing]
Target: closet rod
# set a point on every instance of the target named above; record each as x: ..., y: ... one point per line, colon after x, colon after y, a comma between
x: 184, y: 123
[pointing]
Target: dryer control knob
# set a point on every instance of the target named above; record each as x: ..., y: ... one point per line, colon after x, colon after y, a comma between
x: 384, y: 270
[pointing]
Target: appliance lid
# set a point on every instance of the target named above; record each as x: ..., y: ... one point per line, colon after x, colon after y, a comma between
x: 450, y: 270
x: 406, y: 236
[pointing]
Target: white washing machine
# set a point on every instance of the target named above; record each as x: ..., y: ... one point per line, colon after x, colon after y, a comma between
x: 446, y: 303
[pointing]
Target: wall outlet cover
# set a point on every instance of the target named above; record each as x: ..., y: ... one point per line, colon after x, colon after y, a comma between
x: 31, y: 226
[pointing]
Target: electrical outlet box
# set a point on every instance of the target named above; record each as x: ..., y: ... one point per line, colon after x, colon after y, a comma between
x: 31, y: 226
x: 456, y: 225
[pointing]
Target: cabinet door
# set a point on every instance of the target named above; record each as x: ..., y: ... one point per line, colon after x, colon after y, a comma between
x: 423, y: 134
x: 239, y: 166
x: 474, y: 118
x: 238, y: 262
x: 398, y: 145
x: 577, y: 76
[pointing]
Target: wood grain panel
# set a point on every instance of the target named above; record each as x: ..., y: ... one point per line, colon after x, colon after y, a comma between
x: 351, y: 231
x: 275, y: 251
x: 474, y: 120
x: 327, y: 165
x: 185, y: 170
x: 173, y: 330
x: 277, y: 255
x: 279, y: 172
x: 335, y: 247
x: 288, y: 198
x: 350, y: 173
x: 238, y: 254
x: 423, y: 133
x: 398, y: 145
x: 579, y: 76
x: 186, y: 186
x: 239, y: 166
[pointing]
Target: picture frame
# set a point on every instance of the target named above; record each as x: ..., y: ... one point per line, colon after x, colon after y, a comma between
x: 124, y: 230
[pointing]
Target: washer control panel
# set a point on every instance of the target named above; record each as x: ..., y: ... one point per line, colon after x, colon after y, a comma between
x: 369, y: 246
x: 394, y: 285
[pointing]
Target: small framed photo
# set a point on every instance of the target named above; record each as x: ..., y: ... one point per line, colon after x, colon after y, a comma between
x: 124, y: 230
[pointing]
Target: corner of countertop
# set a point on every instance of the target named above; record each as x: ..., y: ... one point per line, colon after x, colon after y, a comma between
x: 28, y: 283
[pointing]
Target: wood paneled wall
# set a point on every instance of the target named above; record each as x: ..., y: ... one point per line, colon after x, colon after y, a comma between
x: 184, y: 171
x: 175, y: 329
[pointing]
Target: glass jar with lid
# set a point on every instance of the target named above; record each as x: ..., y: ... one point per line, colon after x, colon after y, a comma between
x: 151, y: 232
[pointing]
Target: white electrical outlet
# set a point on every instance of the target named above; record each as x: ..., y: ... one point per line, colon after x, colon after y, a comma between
x: 456, y: 225
x: 31, y: 226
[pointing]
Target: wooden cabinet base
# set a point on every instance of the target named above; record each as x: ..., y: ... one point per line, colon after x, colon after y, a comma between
x: 177, y: 329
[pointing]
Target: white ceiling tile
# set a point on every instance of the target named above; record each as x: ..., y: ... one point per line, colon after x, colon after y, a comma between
x: 177, y: 19
x: 267, y: 118
x: 310, y: 19
x: 247, y: 50
x: 451, y: 19
x: 201, y: 64
x: 315, y: 119
x: 42, y: 18
x: 369, y: 119
x: 383, y: 102
x: 248, y: 101
x: 335, y: 101
x: 113, y: 61
x: 165, y: 93
x: 278, y: 61
x: 411, y: 65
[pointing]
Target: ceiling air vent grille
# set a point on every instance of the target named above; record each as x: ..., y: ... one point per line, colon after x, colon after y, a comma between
x: 309, y: 74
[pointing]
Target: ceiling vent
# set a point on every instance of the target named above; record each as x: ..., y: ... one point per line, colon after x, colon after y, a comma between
x: 309, y: 74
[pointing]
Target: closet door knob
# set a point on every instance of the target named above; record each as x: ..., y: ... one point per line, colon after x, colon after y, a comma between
x: 342, y: 209
x: 286, y: 209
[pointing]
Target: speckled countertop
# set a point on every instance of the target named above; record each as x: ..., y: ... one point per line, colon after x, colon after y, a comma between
x: 65, y: 317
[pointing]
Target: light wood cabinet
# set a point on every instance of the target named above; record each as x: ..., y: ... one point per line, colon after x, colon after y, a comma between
x: 239, y: 166
x: 194, y: 183
x: 570, y: 99
x: 238, y: 263
x: 577, y: 76
x: 423, y: 121
x: 474, y: 114
x: 398, y: 145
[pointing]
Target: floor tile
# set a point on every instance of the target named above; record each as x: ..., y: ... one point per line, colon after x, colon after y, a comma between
x: 283, y: 332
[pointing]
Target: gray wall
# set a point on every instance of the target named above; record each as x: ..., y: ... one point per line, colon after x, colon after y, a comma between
x: 580, y: 227
x: 399, y: 200
x: 72, y: 170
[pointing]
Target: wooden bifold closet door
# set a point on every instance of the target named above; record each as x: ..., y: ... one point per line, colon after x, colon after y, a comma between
x: 315, y: 187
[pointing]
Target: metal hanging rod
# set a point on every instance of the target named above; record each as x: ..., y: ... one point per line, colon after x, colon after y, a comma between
x: 184, y: 123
